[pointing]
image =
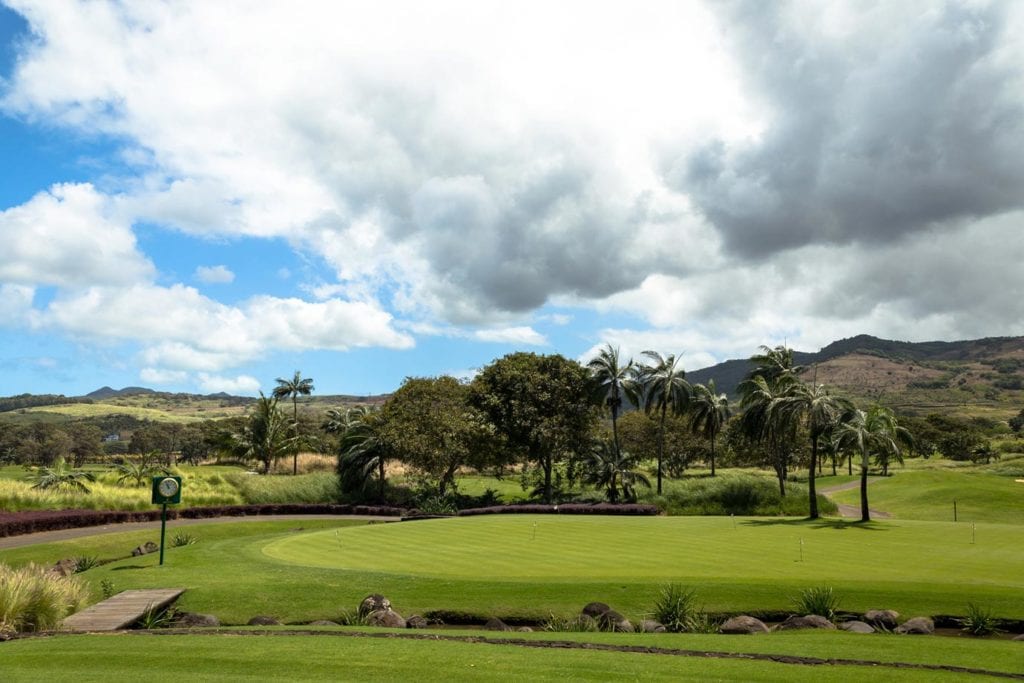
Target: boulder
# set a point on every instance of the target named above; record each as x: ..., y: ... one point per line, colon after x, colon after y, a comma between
x: 918, y: 626
x: 373, y: 603
x: 385, y: 618
x: 262, y: 620
x: 496, y: 624
x: 194, y: 619
x: 1020, y: 637
x: 524, y: 629
x: 595, y: 609
x: 65, y: 567
x: 882, y: 618
x: 808, y: 621
x: 743, y: 624
x: 651, y: 626
x: 145, y: 549
x: 857, y: 627
x: 324, y: 622
x: 613, y: 621
x: 416, y: 621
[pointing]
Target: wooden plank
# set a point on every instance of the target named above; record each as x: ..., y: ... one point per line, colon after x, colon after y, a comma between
x: 121, y: 610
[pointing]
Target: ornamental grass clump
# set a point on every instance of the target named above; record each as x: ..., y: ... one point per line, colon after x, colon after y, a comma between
x: 676, y: 609
x: 979, y: 621
x: 819, y: 600
x: 34, y: 599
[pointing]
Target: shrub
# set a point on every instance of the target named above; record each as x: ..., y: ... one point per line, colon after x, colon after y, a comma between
x: 577, y: 624
x: 820, y: 600
x: 182, y: 539
x: 676, y: 608
x: 979, y: 621
x: 85, y: 563
x: 155, y: 617
x: 738, y: 494
x: 34, y: 599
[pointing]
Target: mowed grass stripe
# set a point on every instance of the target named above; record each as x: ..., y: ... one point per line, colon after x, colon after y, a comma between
x: 569, y: 548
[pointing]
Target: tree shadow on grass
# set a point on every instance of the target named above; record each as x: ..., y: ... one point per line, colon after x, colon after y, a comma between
x: 128, y: 566
x: 820, y: 523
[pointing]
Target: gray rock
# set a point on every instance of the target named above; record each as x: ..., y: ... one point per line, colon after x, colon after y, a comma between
x: 524, y: 629
x: 194, y: 619
x: 595, y: 609
x: 651, y: 626
x: 613, y: 621
x: 145, y: 549
x: 857, y: 627
x: 743, y: 625
x: 1020, y: 637
x: 918, y: 626
x: 496, y: 624
x: 262, y: 620
x: 416, y: 621
x: 882, y: 618
x: 373, y: 603
x: 386, y: 618
x: 809, y: 621
x: 324, y: 622
x: 65, y: 567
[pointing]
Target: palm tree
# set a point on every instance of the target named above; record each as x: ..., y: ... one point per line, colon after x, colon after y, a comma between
x: 609, y: 468
x: 762, y: 423
x: 361, y: 453
x: 819, y: 410
x: 265, y: 436
x: 60, y: 476
x: 663, y: 388
x: 294, y: 387
x: 138, y: 473
x: 614, y: 382
x: 773, y: 363
x: 709, y: 412
x: 875, y: 432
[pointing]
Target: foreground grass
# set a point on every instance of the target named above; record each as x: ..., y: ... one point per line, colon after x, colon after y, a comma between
x: 505, y: 566
x: 314, y: 658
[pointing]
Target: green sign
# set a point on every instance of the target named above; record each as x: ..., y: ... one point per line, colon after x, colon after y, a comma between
x: 166, y: 490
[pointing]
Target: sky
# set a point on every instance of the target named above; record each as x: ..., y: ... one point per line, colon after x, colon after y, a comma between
x: 205, y: 196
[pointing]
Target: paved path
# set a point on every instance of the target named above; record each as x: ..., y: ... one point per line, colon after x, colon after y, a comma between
x: 81, y: 532
x: 852, y: 511
x: 121, y: 610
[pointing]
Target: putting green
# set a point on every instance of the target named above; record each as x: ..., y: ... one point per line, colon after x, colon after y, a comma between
x: 572, y: 548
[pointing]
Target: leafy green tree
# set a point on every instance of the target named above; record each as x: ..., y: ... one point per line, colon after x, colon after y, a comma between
x: 873, y: 433
x: 1017, y: 422
x: 641, y: 435
x: 819, y: 410
x: 60, y: 476
x: 85, y: 443
x: 429, y: 425
x: 294, y: 387
x: 664, y: 389
x: 615, y: 382
x: 541, y: 406
x: 609, y: 468
x: 266, y: 435
x: 709, y: 411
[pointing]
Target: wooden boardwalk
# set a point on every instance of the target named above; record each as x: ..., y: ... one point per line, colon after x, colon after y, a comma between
x: 121, y: 610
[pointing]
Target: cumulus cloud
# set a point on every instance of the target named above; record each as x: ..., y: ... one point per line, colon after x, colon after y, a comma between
x: 512, y: 335
x: 883, y: 120
x: 70, y: 235
x: 214, y: 275
x: 158, y: 376
x: 242, y: 384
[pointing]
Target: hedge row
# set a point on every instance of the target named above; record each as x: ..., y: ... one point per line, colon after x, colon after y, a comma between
x: 17, y: 523
x: 566, y: 509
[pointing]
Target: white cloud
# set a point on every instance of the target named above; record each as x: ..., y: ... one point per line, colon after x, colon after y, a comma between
x: 158, y: 376
x: 511, y: 335
x: 214, y: 274
x: 70, y: 235
x: 15, y: 304
x: 242, y: 384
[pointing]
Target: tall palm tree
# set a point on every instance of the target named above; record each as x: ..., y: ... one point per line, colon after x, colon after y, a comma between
x: 663, y: 388
x: 773, y: 363
x: 609, y: 468
x: 362, y: 454
x: 294, y: 387
x: 813, y: 405
x: 759, y: 396
x: 875, y: 432
x: 615, y: 382
x: 709, y: 412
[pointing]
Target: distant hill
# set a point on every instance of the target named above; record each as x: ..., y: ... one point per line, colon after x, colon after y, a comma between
x: 978, y: 376
x: 106, y: 392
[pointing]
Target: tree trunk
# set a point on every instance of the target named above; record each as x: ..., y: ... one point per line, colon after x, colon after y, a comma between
x: 380, y: 478
x: 661, y: 445
x: 712, y: 455
x: 295, y: 427
x: 865, y: 514
x: 547, y: 465
x: 835, y: 456
x: 810, y: 479
x: 849, y: 464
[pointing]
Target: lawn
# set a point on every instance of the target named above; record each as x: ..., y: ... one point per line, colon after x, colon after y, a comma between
x: 337, y: 657
x: 535, y: 566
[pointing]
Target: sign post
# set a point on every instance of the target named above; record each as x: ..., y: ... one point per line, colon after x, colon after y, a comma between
x: 166, y: 491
